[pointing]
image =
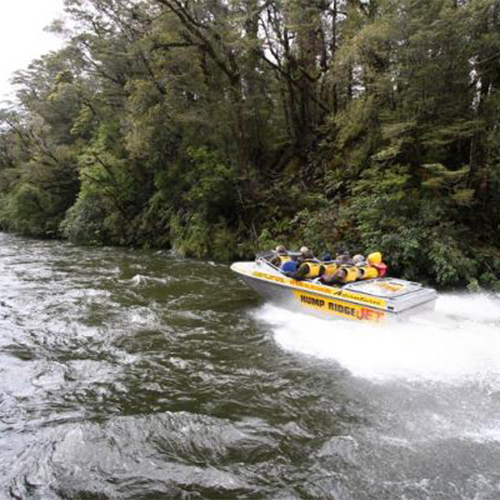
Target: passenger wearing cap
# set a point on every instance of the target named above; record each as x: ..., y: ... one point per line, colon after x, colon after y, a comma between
x: 302, y: 255
x: 309, y: 268
x: 364, y: 269
x: 280, y: 256
x: 360, y: 264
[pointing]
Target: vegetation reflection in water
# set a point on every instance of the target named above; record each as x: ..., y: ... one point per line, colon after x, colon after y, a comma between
x: 132, y: 374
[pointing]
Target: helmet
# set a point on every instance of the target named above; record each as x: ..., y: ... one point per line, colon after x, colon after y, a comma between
x: 281, y: 250
x: 326, y: 257
x: 375, y: 258
x: 304, y: 250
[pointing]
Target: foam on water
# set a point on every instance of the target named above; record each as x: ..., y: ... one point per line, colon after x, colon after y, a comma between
x: 141, y: 280
x: 461, y: 341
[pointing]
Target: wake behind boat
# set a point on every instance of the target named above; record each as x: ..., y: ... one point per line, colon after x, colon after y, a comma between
x: 376, y: 300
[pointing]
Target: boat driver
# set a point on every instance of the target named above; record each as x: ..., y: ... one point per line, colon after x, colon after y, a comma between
x: 280, y: 256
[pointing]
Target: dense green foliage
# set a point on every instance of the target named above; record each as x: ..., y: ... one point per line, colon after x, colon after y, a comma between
x: 218, y: 127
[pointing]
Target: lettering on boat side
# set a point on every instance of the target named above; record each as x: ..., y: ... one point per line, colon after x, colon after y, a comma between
x: 374, y: 301
x: 361, y: 298
x: 312, y: 301
x: 266, y: 276
x: 350, y: 311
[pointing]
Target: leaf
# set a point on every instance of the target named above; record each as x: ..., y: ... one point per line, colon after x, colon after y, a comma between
x: 434, y: 183
x: 464, y: 197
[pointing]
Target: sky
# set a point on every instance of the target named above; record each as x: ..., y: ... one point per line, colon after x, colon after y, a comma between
x: 22, y: 37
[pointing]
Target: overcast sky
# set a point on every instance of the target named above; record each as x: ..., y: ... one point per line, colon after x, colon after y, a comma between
x: 22, y: 38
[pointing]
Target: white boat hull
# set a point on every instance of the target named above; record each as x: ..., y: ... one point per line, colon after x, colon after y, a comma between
x: 374, y: 301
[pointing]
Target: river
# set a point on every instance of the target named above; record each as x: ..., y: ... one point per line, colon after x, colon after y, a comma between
x: 132, y: 374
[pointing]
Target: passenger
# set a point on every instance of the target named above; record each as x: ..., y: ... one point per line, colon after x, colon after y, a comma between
x: 301, y: 258
x: 365, y: 271
x: 359, y: 260
x: 357, y: 268
x: 309, y: 267
x: 343, y: 275
x: 329, y: 266
x: 326, y: 257
x: 344, y: 258
x: 361, y: 266
x: 280, y: 256
x: 375, y: 261
x: 345, y: 271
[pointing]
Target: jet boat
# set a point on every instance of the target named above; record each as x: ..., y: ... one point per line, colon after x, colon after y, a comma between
x: 378, y: 300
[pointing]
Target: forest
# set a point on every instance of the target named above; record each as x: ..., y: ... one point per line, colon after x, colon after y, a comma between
x: 218, y: 128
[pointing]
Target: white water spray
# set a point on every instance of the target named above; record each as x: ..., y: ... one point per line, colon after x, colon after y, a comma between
x: 461, y: 341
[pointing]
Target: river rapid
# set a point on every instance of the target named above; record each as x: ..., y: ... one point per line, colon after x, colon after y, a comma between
x: 129, y: 374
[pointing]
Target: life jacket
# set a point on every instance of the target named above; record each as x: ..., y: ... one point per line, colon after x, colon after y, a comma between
x: 360, y: 273
x: 367, y: 272
x: 351, y: 274
x: 284, y: 258
x: 315, y: 269
x: 329, y: 268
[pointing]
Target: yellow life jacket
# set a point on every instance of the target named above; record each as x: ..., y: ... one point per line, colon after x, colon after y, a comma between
x: 329, y: 269
x: 284, y: 258
x: 315, y: 269
x: 360, y: 273
x: 352, y: 274
x: 367, y: 272
x: 370, y: 273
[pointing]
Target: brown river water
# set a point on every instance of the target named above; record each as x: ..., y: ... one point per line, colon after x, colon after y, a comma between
x: 131, y: 374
